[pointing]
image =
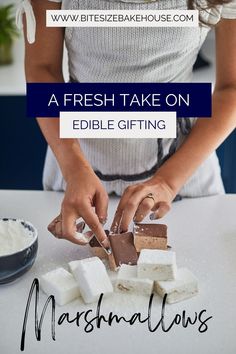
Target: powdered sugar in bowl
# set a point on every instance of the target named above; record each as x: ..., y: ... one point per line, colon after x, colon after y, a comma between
x: 18, y: 248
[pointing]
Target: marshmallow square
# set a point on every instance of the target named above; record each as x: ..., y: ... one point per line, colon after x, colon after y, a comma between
x: 92, y: 278
x: 61, y: 284
x: 150, y: 236
x: 97, y: 249
x: 157, y: 265
x: 128, y: 282
x: 183, y: 287
x: 72, y: 265
x: 123, y: 250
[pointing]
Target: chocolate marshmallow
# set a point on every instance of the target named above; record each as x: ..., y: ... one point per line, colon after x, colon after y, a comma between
x: 150, y: 236
x: 97, y: 249
x: 123, y: 250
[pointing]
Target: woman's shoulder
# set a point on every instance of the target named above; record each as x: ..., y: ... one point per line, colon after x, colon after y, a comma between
x: 229, y: 10
x: 218, y: 12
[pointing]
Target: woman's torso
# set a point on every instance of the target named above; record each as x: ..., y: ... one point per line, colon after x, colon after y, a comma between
x: 138, y: 54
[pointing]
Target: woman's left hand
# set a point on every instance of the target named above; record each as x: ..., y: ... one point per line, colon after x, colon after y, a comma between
x: 139, y: 200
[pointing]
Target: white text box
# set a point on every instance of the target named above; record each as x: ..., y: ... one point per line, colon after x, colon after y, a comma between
x: 102, y: 125
x: 122, y: 18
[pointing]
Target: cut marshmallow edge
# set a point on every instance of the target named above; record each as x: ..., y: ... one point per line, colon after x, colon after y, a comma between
x: 60, y: 283
x: 93, y: 280
x: 160, y: 266
x: 183, y: 287
x: 157, y: 265
x: 128, y: 282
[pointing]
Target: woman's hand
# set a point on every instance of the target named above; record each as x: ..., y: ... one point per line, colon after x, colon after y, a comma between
x: 84, y: 197
x: 139, y: 199
x: 43, y: 63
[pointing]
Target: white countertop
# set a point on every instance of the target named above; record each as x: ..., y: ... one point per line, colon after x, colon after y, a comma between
x: 202, y: 232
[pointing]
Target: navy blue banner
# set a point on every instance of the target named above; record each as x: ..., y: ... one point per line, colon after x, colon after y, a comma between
x: 186, y: 99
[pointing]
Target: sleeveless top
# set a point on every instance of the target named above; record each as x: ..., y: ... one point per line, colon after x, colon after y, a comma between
x: 138, y: 54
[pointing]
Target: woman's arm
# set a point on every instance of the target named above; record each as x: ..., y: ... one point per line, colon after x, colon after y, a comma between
x: 205, y: 137
x: 43, y: 63
x: 208, y: 134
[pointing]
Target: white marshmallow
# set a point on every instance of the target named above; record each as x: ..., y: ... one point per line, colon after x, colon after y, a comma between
x: 127, y: 281
x: 73, y: 265
x: 61, y: 284
x: 183, y: 287
x: 112, y: 275
x: 92, y: 279
x: 84, y: 237
x: 157, y: 265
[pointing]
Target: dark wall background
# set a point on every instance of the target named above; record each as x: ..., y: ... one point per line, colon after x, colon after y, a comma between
x: 23, y: 149
x: 22, y: 146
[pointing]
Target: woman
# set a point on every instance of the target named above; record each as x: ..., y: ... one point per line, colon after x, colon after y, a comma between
x: 147, y: 173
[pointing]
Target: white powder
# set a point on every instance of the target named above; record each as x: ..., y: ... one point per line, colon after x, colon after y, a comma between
x: 13, y: 237
x: 84, y: 237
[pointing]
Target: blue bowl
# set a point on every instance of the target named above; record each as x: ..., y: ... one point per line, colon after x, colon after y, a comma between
x: 13, y: 265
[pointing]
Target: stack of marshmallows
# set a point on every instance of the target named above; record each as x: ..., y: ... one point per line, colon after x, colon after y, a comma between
x: 141, y: 260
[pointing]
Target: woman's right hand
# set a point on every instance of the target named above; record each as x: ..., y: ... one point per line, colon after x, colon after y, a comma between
x: 84, y: 191
x: 84, y: 197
